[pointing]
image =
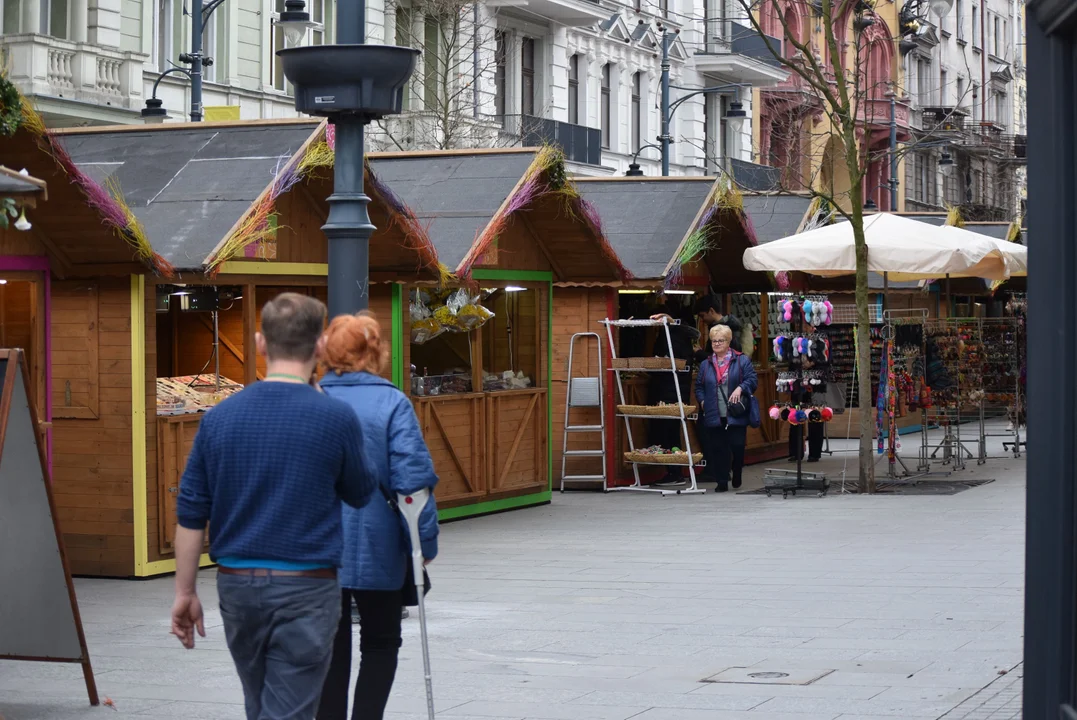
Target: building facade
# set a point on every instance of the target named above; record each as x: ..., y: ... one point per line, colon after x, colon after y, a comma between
x: 962, y: 82
x: 583, y: 73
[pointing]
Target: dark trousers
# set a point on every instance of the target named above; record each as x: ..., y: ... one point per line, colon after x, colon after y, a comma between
x: 815, y: 441
x: 379, y: 644
x: 727, y: 443
x: 279, y: 630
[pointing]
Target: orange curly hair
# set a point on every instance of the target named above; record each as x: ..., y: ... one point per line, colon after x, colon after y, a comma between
x: 353, y: 344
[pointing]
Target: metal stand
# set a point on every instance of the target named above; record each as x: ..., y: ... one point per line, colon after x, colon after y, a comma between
x: 1002, y: 377
x: 585, y: 392
x: 664, y: 323
x: 947, y: 403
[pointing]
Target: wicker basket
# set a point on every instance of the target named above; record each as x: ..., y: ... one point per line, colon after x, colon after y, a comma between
x: 635, y: 409
x: 671, y: 410
x: 637, y: 362
x: 678, y: 458
x: 619, y: 362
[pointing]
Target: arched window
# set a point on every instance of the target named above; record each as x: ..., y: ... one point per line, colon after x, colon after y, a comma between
x: 878, y: 54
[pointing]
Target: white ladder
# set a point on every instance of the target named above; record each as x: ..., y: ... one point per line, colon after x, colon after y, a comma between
x: 585, y: 392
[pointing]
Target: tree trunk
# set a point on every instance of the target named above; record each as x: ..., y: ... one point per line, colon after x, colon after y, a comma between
x: 863, y: 344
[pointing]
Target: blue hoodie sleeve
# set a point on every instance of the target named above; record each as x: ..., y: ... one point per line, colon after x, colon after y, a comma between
x: 701, y: 383
x: 411, y: 469
x: 750, y: 381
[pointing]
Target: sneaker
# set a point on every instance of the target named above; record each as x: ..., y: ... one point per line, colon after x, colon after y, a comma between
x: 670, y: 483
x: 404, y: 613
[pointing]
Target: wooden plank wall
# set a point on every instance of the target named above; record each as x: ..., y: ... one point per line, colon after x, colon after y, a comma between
x: 92, y: 456
x: 575, y: 310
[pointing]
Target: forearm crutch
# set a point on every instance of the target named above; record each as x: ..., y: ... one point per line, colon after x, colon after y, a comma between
x: 411, y: 506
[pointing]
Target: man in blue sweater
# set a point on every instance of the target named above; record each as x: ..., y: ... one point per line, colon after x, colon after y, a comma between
x: 267, y: 471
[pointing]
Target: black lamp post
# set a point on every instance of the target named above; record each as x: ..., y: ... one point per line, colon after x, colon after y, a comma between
x: 350, y: 83
x: 294, y: 21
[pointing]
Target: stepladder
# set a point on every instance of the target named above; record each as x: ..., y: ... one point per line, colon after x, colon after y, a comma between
x: 583, y: 399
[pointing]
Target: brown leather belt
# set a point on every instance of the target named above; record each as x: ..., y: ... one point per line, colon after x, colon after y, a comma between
x: 328, y: 573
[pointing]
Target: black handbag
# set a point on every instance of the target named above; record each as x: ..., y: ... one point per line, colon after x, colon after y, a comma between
x: 409, y: 593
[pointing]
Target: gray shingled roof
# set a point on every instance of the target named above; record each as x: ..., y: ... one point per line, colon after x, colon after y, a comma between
x: 775, y: 216
x: 189, y: 186
x: 643, y: 221
x: 453, y: 196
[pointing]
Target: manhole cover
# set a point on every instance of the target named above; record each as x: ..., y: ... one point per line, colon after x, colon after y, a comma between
x: 757, y: 676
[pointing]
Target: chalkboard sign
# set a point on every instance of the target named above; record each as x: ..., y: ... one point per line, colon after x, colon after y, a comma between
x: 39, y: 615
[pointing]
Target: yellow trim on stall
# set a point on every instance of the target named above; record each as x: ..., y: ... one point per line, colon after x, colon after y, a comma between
x: 143, y: 568
x: 253, y: 267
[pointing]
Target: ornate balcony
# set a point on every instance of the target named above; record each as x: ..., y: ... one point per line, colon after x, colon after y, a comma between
x: 738, y: 53
x: 72, y: 82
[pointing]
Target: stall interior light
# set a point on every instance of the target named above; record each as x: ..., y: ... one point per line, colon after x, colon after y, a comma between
x: 3, y: 282
x: 634, y: 292
x: 514, y: 288
x: 680, y: 292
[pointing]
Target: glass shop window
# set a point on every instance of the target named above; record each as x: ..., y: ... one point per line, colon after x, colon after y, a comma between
x: 443, y: 323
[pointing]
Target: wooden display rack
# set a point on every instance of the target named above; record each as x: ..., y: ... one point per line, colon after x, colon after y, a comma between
x: 683, y: 413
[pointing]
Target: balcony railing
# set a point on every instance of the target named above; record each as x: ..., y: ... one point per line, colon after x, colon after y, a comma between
x: 943, y: 120
x: 723, y: 36
x: 45, y: 66
x: 579, y: 143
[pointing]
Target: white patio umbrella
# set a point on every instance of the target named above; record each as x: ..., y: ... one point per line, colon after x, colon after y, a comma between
x: 1015, y: 255
x: 898, y: 247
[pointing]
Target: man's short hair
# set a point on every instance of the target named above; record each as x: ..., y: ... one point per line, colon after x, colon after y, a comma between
x: 291, y: 325
x: 707, y: 302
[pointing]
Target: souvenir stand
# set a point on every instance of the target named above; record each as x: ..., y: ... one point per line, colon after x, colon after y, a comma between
x: 509, y: 224
x: 904, y: 388
x: 259, y: 189
x: 797, y: 349
x: 680, y: 238
x: 954, y: 368
x: 1003, y: 343
x: 1017, y: 308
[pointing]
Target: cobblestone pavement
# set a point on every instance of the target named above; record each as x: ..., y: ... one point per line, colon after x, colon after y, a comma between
x: 1001, y: 700
x: 609, y: 607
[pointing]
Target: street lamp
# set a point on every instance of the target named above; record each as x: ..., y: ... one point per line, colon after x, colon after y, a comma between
x: 633, y: 167
x: 350, y: 83
x: 294, y: 21
x: 946, y: 164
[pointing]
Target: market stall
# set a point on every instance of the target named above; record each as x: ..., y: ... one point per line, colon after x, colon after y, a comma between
x: 509, y: 224
x: 259, y: 189
x: 681, y: 238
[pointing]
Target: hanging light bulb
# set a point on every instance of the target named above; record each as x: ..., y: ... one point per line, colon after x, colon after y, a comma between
x: 22, y: 223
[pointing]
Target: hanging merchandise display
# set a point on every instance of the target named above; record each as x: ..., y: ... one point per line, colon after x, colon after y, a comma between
x: 1003, y: 349
x: 797, y: 343
x: 954, y: 369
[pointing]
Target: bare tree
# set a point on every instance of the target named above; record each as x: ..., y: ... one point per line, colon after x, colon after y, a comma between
x: 841, y: 60
x: 445, y: 107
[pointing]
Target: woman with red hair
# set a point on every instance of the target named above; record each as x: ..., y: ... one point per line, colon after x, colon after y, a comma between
x: 376, y: 543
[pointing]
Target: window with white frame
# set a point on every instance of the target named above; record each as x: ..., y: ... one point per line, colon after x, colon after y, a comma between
x: 501, y: 73
x: 316, y: 33
x: 209, y: 45
x: 527, y: 76
x: 998, y: 36
x: 164, y: 14
x: 975, y: 26
x: 276, y: 73
x: 604, y: 117
x: 55, y: 17
x: 574, y: 89
x: 637, y: 110
x: 432, y: 62
x: 403, y: 39
x: 959, y: 15
x: 944, y: 88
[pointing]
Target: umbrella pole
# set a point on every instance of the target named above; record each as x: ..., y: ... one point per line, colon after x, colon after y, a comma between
x: 886, y: 289
x: 949, y: 300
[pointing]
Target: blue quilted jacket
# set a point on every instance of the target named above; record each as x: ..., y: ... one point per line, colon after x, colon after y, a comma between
x: 376, y: 545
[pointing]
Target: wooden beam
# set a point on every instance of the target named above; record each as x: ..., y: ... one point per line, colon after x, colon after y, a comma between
x: 557, y: 271
x: 228, y: 344
x: 250, y: 327
x: 269, y: 267
x: 63, y: 263
x: 315, y: 206
x: 106, y: 270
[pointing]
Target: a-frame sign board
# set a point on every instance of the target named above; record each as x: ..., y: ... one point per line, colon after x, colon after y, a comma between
x: 39, y: 616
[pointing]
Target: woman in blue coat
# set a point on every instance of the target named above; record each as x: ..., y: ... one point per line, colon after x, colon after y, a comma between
x: 376, y: 544
x: 726, y: 377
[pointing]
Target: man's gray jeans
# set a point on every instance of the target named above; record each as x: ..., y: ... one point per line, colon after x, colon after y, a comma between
x: 280, y: 631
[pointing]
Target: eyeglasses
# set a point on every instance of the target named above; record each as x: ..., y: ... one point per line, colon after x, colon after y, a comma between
x: 719, y: 341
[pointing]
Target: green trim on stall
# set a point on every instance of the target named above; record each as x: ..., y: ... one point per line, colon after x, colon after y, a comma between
x: 541, y: 275
x: 544, y: 497
x: 493, y: 506
x: 398, y: 335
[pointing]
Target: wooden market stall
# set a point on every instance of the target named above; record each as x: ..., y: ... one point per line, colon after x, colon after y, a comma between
x: 233, y: 214
x: 680, y: 237
x: 509, y: 226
